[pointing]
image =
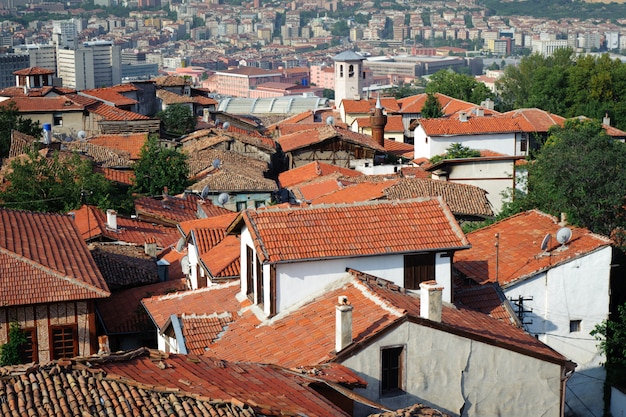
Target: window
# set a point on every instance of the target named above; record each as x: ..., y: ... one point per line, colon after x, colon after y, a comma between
x: 260, y: 292
x: 28, y: 351
x: 418, y: 268
x: 341, y: 71
x: 574, y: 326
x: 523, y: 145
x: 392, y: 362
x: 249, y: 272
x: 241, y: 205
x: 57, y: 119
x: 258, y: 204
x: 64, y: 341
x: 351, y: 71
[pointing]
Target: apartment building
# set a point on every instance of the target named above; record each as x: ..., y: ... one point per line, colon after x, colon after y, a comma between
x: 92, y: 65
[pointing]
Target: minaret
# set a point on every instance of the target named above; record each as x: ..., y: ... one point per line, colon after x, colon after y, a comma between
x: 348, y: 76
x: 378, y: 120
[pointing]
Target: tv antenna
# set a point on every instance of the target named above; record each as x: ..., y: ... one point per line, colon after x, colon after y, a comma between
x: 546, y: 242
x: 205, y: 192
x: 222, y: 198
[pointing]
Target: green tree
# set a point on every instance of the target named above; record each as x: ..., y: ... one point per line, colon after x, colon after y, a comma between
x: 329, y: 94
x: 56, y: 184
x: 460, y: 86
x: 178, y: 119
x: 611, y: 334
x: 340, y: 28
x: 432, y: 107
x: 10, y: 351
x: 160, y: 167
x: 10, y: 119
x: 579, y: 171
x: 456, y: 151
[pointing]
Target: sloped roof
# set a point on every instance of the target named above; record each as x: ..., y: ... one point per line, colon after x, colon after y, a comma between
x: 171, y: 81
x: 104, y: 110
x: 307, y: 191
x: 81, y: 387
x: 21, y: 143
x: 394, y: 123
x: 449, y: 105
x: 92, y: 224
x: 473, y: 126
x: 45, y: 104
x: 43, y: 259
x: 274, y: 105
x: 33, y: 71
x: 233, y: 177
x: 463, y: 199
x: 112, y: 94
x: 130, y: 143
x: 488, y: 299
x: 405, y: 150
x: 330, y: 231
x: 377, y: 305
x: 221, y: 221
x: 349, y: 55
x: 520, y: 254
x: 122, y: 312
x: 534, y: 120
x: 124, y: 265
x: 168, y: 209
x: 312, y: 170
x: 167, y: 97
x: 364, y: 191
x: 366, y: 106
x: 311, y: 137
x: 102, y: 155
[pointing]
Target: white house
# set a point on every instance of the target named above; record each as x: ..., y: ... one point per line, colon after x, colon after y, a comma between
x: 498, y: 134
x: 560, y: 291
x: 289, y: 253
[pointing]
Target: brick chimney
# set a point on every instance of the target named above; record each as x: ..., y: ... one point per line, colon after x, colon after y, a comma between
x: 431, y: 300
x: 378, y: 121
x: 343, y: 323
x: 150, y: 247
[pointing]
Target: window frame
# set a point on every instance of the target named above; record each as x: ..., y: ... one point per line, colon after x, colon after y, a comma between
x: 31, y: 341
x: 394, y: 370
x: 73, y: 328
x: 418, y: 269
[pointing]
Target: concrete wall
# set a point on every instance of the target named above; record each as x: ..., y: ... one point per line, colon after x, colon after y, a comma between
x: 459, y: 376
x: 618, y: 403
x: 577, y: 290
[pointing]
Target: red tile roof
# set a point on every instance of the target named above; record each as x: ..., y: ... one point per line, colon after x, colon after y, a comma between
x: 337, y: 230
x: 520, y: 253
x: 44, y: 104
x: 170, y: 209
x: 307, y: 335
x: 306, y: 138
x: 534, y: 120
x: 364, y: 191
x: 125, y: 142
x: 112, y: 95
x: 104, y: 110
x: 219, y: 299
x: 488, y: 299
x: 389, y: 104
x: 92, y: 223
x: 115, y: 175
x: 473, y: 126
x: 449, y: 105
x: 123, y: 312
x: 405, y: 150
x: 46, y: 260
x: 221, y: 221
x: 33, y: 71
x: 309, y: 171
x: 269, y: 390
x: 394, y: 123
x: 313, y: 189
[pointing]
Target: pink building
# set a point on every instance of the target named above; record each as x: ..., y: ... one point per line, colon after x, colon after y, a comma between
x: 323, y: 76
x: 238, y: 82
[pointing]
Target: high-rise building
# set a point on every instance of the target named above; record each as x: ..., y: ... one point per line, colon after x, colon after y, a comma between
x: 42, y: 56
x: 10, y: 63
x: 65, y: 33
x: 92, y: 65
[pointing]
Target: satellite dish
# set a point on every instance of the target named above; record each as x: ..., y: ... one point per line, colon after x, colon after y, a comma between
x: 184, y: 265
x: 330, y: 120
x: 82, y: 134
x: 180, y: 245
x: 563, y: 235
x: 216, y: 163
x: 204, y: 192
x: 546, y: 241
x: 226, y: 125
x: 222, y: 198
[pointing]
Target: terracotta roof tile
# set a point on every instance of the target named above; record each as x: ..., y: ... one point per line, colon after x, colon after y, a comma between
x: 520, y: 254
x: 103, y: 156
x: 306, y: 138
x: 169, y: 98
x: 170, y: 81
x: 221, y: 221
x: 473, y: 126
x: 364, y: 191
x: 402, y: 149
x: 130, y: 143
x: 112, y: 95
x: 169, y: 209
x: 199, y: 331
x: 390, y: 104
x: 336, y: 230
x: 311, y: 190
x: 44, y: 104
x: 46, y: 259
x: 92, y: 224
x: 307, y: 335
x: 116, y: 175
x: 223, y: 259
x: 488, y: 299
x: 33, y: 71
x: 21, y: 143
x: 534, y: 120
x: 123, y: 312
x: 309, y: 171
x: 218, y: 298
x: 463, y: 199
x: 104, y: 110
x: 233, y: 177
x: 394, y: 123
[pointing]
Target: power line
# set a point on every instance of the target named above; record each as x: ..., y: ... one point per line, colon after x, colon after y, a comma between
x: 32, y: 201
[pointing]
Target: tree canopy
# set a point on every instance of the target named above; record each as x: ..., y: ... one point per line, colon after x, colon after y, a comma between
x: 10, y: 351
x: 178, y: 119
x: 579, y: 171
x: 456, y: 151
x: 567, y: 85
x: 10, y: 119
x: 432, y: 107
x: 56, y: 184
x: 160, y: 167
x: 460, y: 86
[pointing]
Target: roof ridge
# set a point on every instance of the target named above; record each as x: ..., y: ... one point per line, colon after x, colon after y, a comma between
x: 72, y: 280
x: 181, y: 294
x: 362, y: 282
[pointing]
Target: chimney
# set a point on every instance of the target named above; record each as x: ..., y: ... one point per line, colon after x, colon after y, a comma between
x: 563, y: 221
x: 103, y: 345
x: 205, y: 115
x: 378, y: 120
x: 112, y: 219
x: 431, y: 300
x: 463, y: 116
x: 343, y: 323
x: 606, y: 120
x: 150, y: 248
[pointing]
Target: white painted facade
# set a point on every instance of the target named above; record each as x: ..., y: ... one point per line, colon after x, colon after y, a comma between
x: 505, y: 143
x: 618, y: 403
x: 348, y: 76
x: 296, y: 281
x: 455, y: 373
x: 574, y: 291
